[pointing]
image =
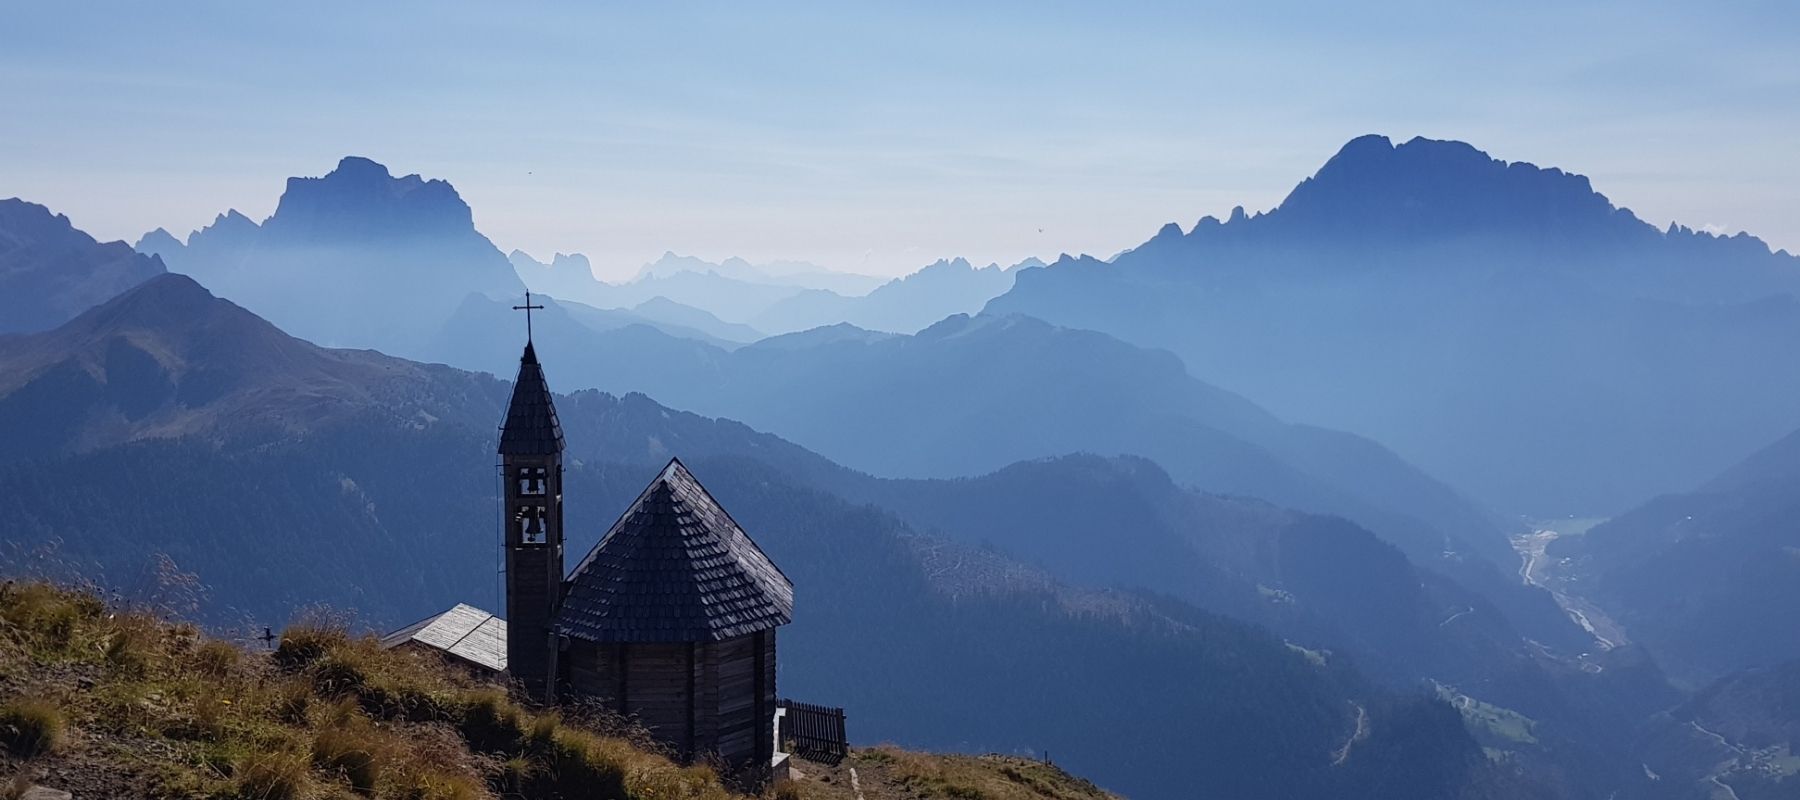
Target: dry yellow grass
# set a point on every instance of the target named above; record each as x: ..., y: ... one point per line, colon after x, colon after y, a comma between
x: 160, y: 711
x: 890, y: 773
x: 142, y: 708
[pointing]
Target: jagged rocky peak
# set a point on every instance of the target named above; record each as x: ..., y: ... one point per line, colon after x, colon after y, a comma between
x: 158, y: 242
x: 361, y: 198
x: 1429, y: 187
x: 559, y: 262
x: 22, y: 218
x: 571, y: 261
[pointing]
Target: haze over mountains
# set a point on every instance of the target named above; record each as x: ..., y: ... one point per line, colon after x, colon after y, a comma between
x: 781, y: 297
x: 1709, y: 577
x: 1260, y: 477
x: 355, y: 257
x: 368, y: 495
x: 1503, y: 326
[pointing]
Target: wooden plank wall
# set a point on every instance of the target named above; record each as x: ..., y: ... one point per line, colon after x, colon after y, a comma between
x: 716, y: 697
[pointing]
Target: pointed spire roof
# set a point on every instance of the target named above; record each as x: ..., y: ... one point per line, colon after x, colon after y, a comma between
x: 531, y: 427
x: 674, y: 568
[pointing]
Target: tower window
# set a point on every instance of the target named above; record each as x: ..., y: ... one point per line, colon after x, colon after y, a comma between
x: 530, y: 525
x: 532, y: 480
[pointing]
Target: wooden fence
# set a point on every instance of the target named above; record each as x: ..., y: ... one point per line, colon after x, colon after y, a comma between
x: 816, y: 732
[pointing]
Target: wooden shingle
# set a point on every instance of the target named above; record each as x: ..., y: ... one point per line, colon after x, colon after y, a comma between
x: 674, y: 568
x: 531, y: 427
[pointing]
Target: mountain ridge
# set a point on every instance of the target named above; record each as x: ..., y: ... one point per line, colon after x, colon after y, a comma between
x: 1473, y: 314
x: 50, y: 271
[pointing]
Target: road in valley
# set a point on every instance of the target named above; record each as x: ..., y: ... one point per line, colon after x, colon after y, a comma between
x: 1538, y: 568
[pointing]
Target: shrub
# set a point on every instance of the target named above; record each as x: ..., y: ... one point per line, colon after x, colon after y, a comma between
x: 787, y: 790
x: 30, y: 727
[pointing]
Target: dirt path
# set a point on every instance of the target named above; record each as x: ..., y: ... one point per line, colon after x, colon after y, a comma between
x: 1361, y: 733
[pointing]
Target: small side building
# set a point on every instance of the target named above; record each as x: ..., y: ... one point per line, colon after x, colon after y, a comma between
x: 671, y: 620
x: 465, y: 634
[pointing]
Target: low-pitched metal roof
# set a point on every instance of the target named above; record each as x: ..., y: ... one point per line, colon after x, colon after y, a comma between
x: 464, y: 631
x: 675, y: 568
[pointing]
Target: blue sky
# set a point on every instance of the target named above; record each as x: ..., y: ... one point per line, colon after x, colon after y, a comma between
x: 879, y: 137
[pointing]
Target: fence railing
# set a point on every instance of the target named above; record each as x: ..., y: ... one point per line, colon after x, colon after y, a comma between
x: 816, y: 733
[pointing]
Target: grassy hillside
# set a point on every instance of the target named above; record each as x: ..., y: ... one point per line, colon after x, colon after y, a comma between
x: 106, y: 702
x: 888, y: 773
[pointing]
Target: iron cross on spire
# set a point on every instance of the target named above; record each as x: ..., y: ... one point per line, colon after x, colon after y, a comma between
x: 528, y: 308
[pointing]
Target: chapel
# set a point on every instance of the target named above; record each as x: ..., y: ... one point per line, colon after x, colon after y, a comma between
x: 670, y: 620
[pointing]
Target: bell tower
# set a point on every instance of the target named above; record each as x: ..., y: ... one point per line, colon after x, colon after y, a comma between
x: 531, y: 448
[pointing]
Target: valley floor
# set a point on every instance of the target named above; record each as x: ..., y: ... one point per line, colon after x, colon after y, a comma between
x: 1537, y: 568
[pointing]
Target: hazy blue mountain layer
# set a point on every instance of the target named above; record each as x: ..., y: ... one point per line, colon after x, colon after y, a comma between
x: 1710, y: 577
x: 358, y: 258
x: 50, y: 271
x: 971, y: 395
x: 903, y: 305
x: 285, y: 474
x: 1501, y: 325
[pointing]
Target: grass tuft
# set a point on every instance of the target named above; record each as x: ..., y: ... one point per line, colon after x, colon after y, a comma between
x: 217, y: 659
x: 31, y: 727
x: 352, y: 752
x: 279, y: 775
x: 308, y: 640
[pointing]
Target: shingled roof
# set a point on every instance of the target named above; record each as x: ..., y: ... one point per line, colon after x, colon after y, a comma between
x: 674, y: 568
x: 531, y: 427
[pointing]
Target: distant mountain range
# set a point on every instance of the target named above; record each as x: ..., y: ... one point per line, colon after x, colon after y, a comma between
x: 798, y: 274
x: 50, y: 271
x: 286, y: 474
x: 361, y: 258
x: 782, y: 297
x: 170, y: 420
x: 904, y: 305
x: 1503, y: 325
